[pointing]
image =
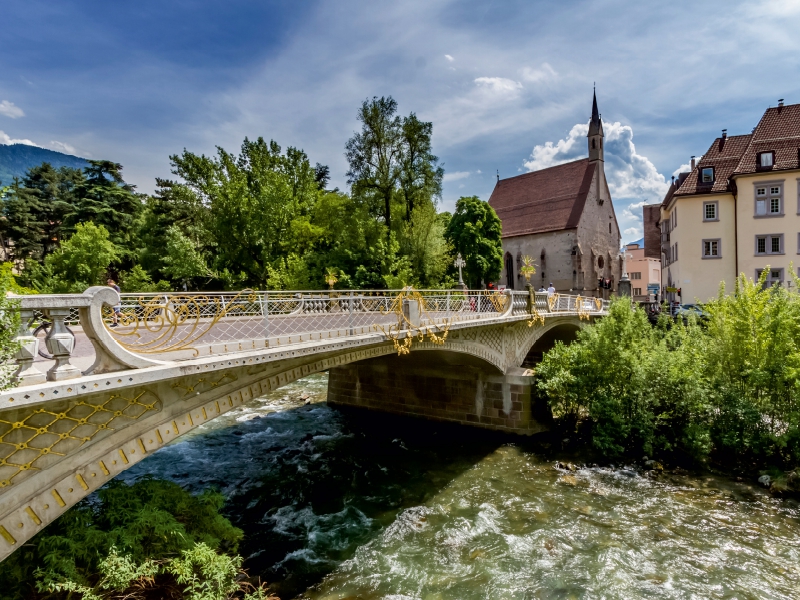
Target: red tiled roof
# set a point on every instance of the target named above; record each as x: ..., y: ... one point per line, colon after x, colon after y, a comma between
x: 779, y: 131
x: 724, y: 154
x: 548, y: 200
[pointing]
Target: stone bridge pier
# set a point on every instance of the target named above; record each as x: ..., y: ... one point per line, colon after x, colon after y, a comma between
x: 457, y: 387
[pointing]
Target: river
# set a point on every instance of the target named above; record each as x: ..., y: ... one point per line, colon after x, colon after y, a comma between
x: 347, y: 505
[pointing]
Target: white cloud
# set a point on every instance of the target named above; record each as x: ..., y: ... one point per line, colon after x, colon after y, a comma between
x: 687, y: 167
x: 456, y: 175
x: 478, y: 171
x: 449, y: 58
x: 630, y: 175
x: 633, y: 179
x: 62, y: 147
x: 6, y: 139
x: 9, y: 109
x: 543, y: 73
x: 499, y: 85
x: 564, y: 150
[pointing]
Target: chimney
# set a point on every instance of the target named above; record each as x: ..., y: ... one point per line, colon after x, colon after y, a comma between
x: 780, y: 102
x: 724, y: 133
x: 693, y: 165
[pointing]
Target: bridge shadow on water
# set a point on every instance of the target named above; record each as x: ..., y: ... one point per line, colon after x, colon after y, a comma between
x: 309, y: 483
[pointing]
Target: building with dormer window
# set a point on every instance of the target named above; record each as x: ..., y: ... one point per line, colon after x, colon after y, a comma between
x: 736, y: 211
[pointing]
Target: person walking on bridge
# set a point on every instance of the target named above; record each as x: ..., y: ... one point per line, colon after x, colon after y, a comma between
x: 551, y: 290
x: 118, y: 307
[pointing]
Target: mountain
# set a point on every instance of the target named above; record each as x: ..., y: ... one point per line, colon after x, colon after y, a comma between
x: 16, y: 159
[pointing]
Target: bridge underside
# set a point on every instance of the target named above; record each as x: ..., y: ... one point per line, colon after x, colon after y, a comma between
x: 443, y: 386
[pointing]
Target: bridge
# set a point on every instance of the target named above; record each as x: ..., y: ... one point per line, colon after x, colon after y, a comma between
x: 124, y: 375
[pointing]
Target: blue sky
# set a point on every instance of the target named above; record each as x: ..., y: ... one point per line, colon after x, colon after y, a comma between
x: 507, y: 85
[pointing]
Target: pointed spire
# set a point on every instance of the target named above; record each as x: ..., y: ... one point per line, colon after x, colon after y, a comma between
x: 596, y: 126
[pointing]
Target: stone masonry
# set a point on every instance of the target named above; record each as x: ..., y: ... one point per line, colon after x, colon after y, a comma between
x: 459, y: 394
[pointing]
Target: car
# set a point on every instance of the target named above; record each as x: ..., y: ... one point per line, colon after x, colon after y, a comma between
x: 684, y: 310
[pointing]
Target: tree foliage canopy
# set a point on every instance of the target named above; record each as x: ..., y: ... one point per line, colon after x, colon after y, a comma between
x: 475, y: 231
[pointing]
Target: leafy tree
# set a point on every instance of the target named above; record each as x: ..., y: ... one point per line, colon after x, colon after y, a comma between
x: 475, y: 231
x: 137, y: 280
x: 374, y: 156
x: 252, y: 200
x: 173, y: 205
x: 105, y: 199
x: 36, y: 208
x: 82, y: 261
x: 182, y: 261
x: 322, y: 175
x: 420, y: 177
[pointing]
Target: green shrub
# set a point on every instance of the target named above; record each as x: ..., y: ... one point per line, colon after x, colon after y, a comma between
x: 728, y: 387
x: 122, y: 534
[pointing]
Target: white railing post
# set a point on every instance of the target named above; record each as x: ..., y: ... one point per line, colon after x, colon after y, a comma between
x: 265, y: 313
x: 350, y: 315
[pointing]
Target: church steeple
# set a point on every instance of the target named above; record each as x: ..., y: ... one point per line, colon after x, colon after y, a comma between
x: 595, y: 133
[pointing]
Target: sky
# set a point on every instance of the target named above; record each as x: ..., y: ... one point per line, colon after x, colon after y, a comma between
x: 507, y: 85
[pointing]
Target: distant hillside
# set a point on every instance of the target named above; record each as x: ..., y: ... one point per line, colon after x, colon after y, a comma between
x: 16, y: 159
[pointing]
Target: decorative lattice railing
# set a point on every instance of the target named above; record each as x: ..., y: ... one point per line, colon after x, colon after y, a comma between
x: 138, y: 330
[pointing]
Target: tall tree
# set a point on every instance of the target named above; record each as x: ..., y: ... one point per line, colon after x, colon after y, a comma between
x: 420, y: 175
x: 374, y: 156
x: 475, y: 231
x: 105, y: 199
x: 252, y: 200
x: 36, y: 208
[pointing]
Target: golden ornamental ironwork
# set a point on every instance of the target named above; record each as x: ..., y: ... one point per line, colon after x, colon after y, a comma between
x: 499, y: 300
x: 42, y: 432
x: 174, y: 322
x: 552, y: 302
x: 583, y: 312
x: 403, y: 331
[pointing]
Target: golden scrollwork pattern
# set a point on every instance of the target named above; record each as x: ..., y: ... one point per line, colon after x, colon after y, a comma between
x: 403, y: 331
x: 174, y: 322
x: 25, y: 441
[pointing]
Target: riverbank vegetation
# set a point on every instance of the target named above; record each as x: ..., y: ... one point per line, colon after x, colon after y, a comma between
x: 151, y: 539
x: 725, y: 389
x: 264, y: 218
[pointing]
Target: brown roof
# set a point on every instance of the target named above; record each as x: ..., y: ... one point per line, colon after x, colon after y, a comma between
x: 548, y: 200
x: 724, y: 155
x: 779, y: 131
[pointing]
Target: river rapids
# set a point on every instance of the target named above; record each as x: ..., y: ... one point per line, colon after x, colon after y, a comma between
x: 339, y: 505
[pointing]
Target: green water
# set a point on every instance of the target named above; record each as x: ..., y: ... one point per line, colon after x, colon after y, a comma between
x: 341, y: 505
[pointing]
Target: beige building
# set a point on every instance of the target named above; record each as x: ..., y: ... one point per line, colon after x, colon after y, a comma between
x: 643, y: 271
x: 736, y: 211
x: 562, y: 217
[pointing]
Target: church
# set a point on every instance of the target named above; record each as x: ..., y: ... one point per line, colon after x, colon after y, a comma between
x: 563, y: 218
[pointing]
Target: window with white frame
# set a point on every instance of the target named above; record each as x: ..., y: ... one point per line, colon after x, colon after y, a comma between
x: 769, y: 200
x: 769, y: 244
x: 707, y: 175
x: 711, y: 248
x: 766, y: 159
x: 710, y: 211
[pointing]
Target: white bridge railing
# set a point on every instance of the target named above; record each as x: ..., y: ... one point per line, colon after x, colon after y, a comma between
x: 139, y: 330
